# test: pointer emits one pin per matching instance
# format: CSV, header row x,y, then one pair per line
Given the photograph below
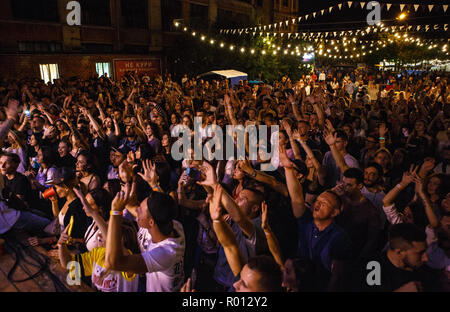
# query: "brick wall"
x,y
70,65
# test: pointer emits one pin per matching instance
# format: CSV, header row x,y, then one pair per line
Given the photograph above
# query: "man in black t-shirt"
x,y
401,267
15,182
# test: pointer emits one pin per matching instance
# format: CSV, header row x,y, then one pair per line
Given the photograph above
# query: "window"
x,y
102,68
95,13
225,18
49,72
97,48
199,16
38,10
37,47
134,13
170,10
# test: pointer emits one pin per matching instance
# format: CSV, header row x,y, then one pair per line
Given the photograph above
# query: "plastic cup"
x,y
49,193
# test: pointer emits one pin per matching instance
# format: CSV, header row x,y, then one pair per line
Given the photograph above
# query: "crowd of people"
x,y
88,171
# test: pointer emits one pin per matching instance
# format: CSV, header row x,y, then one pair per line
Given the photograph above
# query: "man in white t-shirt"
x,y
161,241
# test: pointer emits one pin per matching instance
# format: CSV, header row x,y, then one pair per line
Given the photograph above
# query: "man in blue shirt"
x,y
323,242
320,239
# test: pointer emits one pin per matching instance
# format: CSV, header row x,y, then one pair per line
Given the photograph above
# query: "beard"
x,y
369,184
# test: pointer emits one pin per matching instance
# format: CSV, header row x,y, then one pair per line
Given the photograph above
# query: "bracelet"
x,y
217,221
382,139
116,213
399,186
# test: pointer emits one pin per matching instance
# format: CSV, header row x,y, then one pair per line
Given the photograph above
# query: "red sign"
x,y
144,67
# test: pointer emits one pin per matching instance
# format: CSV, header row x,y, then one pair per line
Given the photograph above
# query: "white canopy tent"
x,y
234,75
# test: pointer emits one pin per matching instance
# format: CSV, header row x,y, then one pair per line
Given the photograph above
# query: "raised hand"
x,y
284,159
329,125
121,199
12,109
287,127
227,100
210,174
409,176
150,174
297,136
383,130
419,185
245,165
264,218
428,165
215,210
329,137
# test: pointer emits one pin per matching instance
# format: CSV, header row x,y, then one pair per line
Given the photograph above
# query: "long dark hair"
x,y
91,161
103,200
129,235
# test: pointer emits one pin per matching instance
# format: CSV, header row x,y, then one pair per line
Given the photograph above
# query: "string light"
x,y
318,47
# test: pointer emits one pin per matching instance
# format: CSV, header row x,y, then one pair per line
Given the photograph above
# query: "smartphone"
x,y
27,113
194,174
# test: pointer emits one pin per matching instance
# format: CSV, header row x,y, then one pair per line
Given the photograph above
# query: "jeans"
x,y
30,222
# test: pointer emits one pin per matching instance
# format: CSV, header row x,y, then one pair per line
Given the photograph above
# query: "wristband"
x,y
116,213
217,221
399,186
381,138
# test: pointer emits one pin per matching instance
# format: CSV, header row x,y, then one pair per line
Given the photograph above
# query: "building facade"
x,y
37,40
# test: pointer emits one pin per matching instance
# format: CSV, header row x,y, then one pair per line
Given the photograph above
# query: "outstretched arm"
x,y
294,186
272,240
115,259
263,178
330,138
228,202
11,118
225,234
